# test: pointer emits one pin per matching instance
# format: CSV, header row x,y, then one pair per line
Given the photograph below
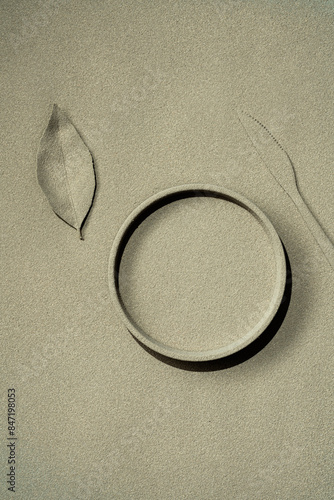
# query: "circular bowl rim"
x,y
148,207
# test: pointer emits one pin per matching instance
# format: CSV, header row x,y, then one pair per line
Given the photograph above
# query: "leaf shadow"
x,y
94,193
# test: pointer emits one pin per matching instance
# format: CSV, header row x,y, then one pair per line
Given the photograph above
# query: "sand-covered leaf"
x,y
65,170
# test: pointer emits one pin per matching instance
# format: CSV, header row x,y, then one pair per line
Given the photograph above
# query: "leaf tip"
x,y
55,109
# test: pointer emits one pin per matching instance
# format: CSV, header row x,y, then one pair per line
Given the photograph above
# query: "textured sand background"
x,y
153,88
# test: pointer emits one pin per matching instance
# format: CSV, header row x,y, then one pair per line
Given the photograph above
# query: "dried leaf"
x,y
65,170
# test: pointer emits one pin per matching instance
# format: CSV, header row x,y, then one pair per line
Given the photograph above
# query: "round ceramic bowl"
x,y
235,255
